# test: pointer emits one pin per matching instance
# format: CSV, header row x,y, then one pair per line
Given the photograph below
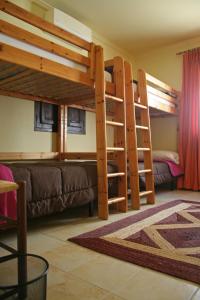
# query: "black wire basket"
x,y
23,277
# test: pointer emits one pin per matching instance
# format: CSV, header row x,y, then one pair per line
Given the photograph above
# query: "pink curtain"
x,y
189,139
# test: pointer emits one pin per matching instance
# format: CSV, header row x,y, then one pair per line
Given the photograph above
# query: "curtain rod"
x,y
182,52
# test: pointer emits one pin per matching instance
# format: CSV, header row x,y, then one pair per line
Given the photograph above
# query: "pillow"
x,y
162,155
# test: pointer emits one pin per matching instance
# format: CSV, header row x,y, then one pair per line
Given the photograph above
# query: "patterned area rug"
x,y
165,238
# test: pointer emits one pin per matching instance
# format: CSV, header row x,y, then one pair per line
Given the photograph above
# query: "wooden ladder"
x,y
132,138
119,149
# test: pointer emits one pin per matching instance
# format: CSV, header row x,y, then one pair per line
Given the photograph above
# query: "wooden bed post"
x,y
61,130
146,139
101,139
132,138
120,132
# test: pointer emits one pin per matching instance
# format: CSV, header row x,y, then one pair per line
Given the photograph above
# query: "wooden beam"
x,y
38,22
92,61
109,63
6,156
41,99
84,155
110,88
93,110
42,43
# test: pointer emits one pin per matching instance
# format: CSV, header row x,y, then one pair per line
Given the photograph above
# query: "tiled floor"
x,y
77,273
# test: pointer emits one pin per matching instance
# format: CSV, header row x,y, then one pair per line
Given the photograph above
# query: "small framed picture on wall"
x,y
76,121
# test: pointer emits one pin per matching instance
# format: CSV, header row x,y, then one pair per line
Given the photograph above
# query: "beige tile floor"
x,y
77,273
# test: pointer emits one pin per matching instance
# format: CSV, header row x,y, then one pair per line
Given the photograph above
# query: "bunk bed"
x,y
147,97
37,69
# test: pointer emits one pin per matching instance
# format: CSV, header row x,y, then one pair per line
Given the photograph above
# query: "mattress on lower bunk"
x,y
55,186
161,172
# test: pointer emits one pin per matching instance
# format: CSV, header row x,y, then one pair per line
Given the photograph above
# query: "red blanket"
x,y
8,201
175,169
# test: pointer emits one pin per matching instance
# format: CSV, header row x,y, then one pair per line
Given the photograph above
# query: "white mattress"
x,y
43,53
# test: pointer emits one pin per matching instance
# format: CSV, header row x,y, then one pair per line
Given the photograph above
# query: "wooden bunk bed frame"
x,y
154,97
26,75
29,76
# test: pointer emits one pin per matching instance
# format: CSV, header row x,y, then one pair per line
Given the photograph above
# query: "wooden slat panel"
x,y
79,155
6,156
9,80
33,39
38,22
8,68
27,97
160,94
21,80
159,83
164,107
23,58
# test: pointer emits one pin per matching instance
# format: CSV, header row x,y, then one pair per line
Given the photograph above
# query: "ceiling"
x,y
137,25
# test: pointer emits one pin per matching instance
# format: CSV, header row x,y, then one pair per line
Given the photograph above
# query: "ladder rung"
x,y
115,200
114,123
113,98
140,105
142,127
115,174
145,193
144,171
115,149
143,149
